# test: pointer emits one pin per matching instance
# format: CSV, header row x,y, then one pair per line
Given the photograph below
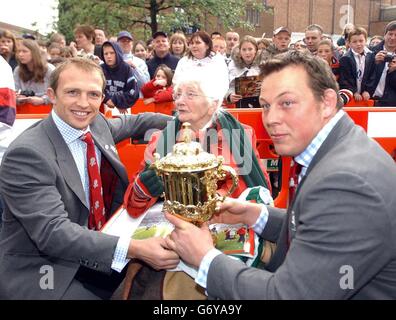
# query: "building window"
x,y
388,13
253,16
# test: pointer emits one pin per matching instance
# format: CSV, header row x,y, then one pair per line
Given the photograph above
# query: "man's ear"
x,y
330,103
51,95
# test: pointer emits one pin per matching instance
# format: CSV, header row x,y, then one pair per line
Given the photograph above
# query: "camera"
x,y
27,93
389,57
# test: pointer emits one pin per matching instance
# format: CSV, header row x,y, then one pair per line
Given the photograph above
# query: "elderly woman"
x,y
198,101
244,63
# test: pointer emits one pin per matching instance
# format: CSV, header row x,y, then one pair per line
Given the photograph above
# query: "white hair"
x,y
207,84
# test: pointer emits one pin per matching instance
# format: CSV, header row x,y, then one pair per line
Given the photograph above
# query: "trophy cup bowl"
x,y
190,177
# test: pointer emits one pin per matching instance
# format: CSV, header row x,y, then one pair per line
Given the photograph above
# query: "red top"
x,y
160,94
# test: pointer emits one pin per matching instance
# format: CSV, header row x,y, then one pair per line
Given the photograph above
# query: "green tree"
x,y
145,17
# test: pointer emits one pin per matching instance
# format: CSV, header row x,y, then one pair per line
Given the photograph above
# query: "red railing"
x,y
132,154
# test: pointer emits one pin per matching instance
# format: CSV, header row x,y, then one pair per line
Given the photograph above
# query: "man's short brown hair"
x,y
318,71
83,64
357,32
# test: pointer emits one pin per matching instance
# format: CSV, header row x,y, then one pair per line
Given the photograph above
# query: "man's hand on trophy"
x,y
190,242
148,184
233,211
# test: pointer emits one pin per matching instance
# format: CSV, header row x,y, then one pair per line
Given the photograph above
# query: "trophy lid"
x,y
187,156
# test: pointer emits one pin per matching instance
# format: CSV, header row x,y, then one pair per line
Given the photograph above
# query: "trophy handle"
x,y
234,176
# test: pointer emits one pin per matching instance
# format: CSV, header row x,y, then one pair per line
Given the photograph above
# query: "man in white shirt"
x,y
125,40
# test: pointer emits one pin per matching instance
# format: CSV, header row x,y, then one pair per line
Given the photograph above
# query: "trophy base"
x,y
195,214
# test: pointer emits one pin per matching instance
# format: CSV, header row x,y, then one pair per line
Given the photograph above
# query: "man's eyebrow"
x,y
277,97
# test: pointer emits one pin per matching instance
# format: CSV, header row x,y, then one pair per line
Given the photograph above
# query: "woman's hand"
x,y
234,98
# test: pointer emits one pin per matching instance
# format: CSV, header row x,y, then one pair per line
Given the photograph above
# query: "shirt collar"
x,y
68,133
365,51
305,157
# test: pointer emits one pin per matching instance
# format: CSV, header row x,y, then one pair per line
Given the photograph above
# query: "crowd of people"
x,y
366,68
62,178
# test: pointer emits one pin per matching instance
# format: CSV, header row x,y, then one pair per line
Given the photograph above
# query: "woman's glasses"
x,y
187,95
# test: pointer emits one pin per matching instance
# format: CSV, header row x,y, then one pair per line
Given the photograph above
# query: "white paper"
x,y
121,224
381,124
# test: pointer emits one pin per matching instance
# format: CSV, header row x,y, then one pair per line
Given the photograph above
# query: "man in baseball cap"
x,y
161,53
124,34
282,38
280,43
160,33
125,40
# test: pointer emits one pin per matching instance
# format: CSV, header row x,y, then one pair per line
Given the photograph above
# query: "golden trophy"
x,y
190,176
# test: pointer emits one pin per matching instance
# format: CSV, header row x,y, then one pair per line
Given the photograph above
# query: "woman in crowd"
x,y
59,39
8,48
32,74
374,41
244,63
84,45
140,50
159,89
263,43
178,45
342,41
197,101
202,60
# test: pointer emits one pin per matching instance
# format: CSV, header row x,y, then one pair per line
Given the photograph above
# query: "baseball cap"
x,y
282,29
160,33
28,36
124,34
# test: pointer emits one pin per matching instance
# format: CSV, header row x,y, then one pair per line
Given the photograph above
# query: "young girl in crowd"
x,y
140,50
159,89
8,48
245,62
326,52
32,74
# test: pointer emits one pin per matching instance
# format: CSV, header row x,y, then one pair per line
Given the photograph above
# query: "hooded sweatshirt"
x,y
121,84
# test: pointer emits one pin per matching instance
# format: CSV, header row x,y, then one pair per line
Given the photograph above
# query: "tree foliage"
x,y
144,17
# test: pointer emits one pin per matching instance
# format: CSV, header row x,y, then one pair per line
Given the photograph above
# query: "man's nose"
x,y
83,100
271,116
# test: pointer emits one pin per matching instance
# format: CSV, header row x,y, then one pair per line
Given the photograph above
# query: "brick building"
x,y
332,15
